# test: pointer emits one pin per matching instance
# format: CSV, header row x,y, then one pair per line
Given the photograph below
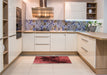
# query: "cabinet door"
x,y
19,45
12,48
71,42
1,55
1,10
92,52
75,10
12,17
28,42
58,42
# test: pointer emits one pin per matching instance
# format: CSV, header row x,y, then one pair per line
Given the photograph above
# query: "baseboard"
x,y
10,64
49,53
91,67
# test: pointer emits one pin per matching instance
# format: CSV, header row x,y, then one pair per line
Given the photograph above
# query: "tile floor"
x,y
24,66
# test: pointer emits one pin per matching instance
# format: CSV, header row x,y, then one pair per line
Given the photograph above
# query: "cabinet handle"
x,y
42,36
84,49
42,44
12,35
85,40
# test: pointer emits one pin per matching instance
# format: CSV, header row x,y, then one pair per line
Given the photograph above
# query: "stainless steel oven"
x,y
18,23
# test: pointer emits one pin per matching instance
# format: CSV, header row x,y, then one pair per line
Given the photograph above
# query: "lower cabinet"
x,y
87,48
19,45
28,42
49,42
1,55
58,41
42,42
71,42
12,48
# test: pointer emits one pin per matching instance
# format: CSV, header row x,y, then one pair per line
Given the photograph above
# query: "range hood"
x,y
43,11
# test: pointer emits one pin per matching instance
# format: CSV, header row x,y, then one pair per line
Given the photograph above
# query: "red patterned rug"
x,y
51,59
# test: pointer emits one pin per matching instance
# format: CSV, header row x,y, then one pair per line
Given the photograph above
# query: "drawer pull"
x,y
84,49
42,36
84,40
42,44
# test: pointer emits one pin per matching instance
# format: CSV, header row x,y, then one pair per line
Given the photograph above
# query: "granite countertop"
x,y
96,35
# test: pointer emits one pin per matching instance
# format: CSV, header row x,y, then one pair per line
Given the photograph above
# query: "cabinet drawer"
x,y
42,40
42,34
84,51
84,40
42,47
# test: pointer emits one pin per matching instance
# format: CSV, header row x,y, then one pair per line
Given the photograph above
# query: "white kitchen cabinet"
x,y
42,42
58,41
28,42
75,10
12,17
12,48
1,16
1,61
92,52
42,47
19,45
1,29
87,48
71,42
1,55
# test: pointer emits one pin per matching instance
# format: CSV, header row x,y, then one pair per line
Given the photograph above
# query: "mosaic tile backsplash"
x,y
48,25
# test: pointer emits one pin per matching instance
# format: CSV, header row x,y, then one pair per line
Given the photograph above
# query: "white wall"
x,y
58,8
105,16
57,4
29,5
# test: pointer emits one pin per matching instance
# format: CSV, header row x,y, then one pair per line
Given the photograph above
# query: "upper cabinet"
x,y
12,17
75,10
1,10
91,10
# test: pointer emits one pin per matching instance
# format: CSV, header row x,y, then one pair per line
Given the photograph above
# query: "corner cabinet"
x,y
87,49
58,41
75,10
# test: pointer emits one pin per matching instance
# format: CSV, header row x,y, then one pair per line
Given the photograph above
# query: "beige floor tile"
x,y
24,66
41,73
